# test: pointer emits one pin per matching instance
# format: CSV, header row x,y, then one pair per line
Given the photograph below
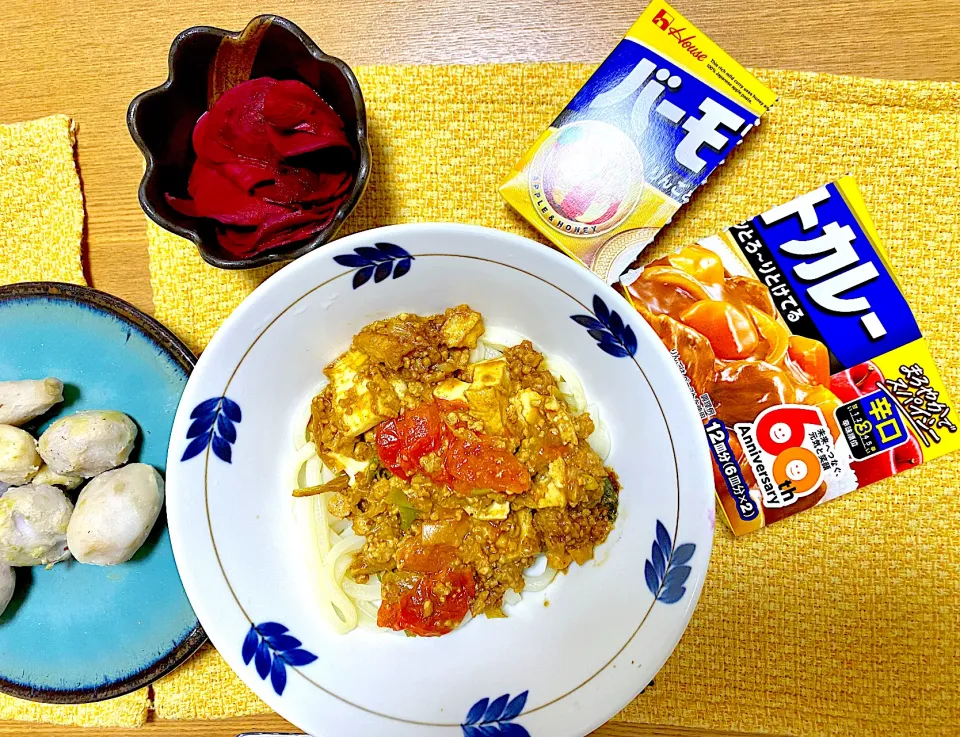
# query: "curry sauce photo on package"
x,y
806,364
657,117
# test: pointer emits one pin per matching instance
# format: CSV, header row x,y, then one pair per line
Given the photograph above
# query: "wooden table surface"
x,y
89,58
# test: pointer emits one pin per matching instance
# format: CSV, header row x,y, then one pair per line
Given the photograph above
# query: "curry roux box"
x,y
658,116
801,353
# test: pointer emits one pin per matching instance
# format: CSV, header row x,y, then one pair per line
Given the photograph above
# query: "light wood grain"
x,y
89,58
274,723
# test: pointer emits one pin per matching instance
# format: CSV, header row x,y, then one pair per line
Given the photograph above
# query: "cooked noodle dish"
x,y
441,470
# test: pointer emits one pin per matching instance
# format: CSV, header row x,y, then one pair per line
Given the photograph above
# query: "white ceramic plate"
x,y
545,671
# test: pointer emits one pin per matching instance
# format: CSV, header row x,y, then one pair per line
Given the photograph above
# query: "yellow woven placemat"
x,y
41,228
842,620
41,205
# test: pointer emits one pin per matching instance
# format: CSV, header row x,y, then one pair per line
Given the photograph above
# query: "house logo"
x,y
663,19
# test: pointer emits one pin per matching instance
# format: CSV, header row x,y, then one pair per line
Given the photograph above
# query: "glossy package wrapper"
x,y
805,362
656,118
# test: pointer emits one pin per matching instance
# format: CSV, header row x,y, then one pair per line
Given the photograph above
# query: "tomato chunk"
x,y
404,440
467,463
429,604
476,464
418,558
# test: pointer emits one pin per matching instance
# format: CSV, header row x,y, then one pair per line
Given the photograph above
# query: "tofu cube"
x,y
384,347
356,407
462,328
560,417
451,389
493,511
491,373
348,465
529,543
487,404
487,394
551,492
557,470
399,386
344,370
527,403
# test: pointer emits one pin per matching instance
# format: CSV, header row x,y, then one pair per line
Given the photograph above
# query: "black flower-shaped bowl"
x,y
204,62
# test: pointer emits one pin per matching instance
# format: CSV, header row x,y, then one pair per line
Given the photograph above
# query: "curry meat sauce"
x,y
457,474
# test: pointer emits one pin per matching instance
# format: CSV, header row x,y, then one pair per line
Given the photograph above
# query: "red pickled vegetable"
x,y
274,165
299,120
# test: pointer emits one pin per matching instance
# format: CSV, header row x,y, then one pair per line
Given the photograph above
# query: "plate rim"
x,y
167,341
384,232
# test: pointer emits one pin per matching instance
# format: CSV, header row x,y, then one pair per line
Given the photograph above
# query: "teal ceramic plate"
x,y
77,633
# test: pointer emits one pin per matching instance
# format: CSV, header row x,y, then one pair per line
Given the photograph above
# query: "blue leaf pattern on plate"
x,y
659,561
196,446
250,645
666,571
205,408
283,642
512,729
495,718
263,659
198,427
297,657
393,251
362,277
382,272
402,267
683,553
278,676
214,424
378,262
352,261
222,449
226,429
606,327
272,650
231,409
272,629
371,254
476,712
495,709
